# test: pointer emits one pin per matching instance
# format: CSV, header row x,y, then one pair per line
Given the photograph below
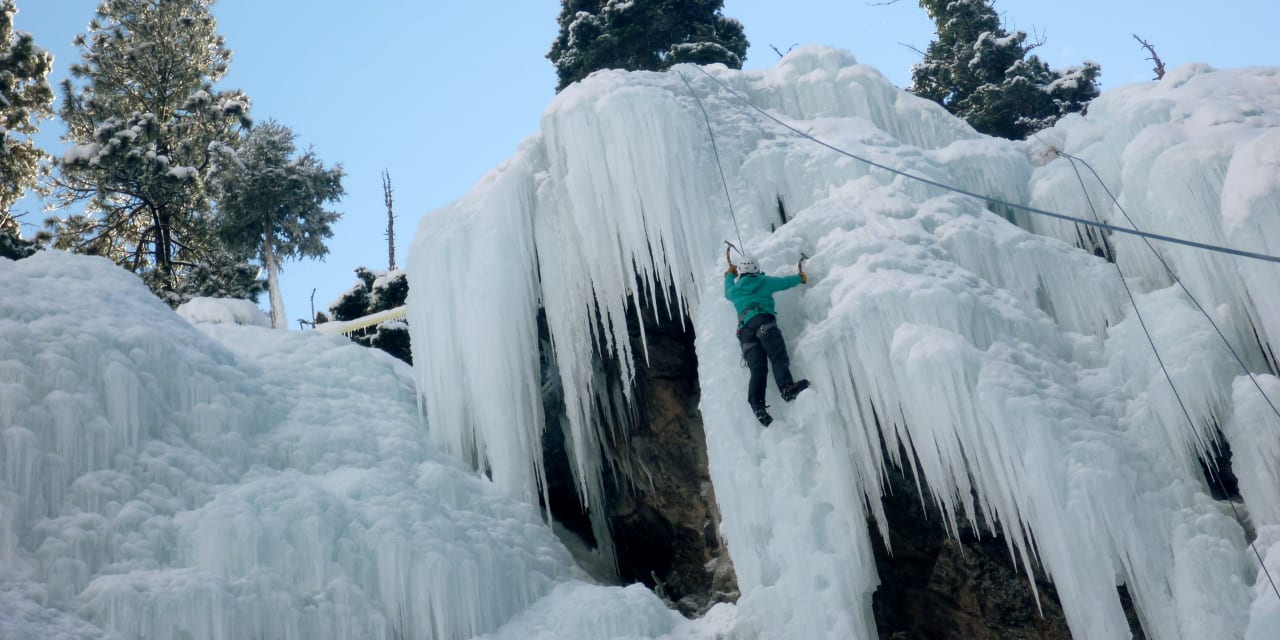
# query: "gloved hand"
x,y
804,278
733,268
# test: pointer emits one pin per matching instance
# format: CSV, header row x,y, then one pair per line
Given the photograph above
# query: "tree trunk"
x,y
163,253
278,318
391,221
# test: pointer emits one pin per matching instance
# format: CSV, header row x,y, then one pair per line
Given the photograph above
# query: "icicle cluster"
x,y
232,482
1002,364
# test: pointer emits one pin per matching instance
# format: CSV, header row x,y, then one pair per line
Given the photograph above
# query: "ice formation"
x,y
222,481
223,311
196,475
993,353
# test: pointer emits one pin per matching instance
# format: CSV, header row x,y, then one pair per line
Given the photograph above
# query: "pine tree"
x,y
25,99
12,246
373,292
273,200
643,34
984,75
144,120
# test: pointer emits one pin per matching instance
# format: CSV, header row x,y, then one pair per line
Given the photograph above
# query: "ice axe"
x,y
728,246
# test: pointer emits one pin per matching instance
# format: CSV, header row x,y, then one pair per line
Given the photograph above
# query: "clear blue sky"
x,y
438,93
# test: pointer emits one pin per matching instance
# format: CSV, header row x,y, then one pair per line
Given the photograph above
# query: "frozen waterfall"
x,y
222,481
1001,363
196,475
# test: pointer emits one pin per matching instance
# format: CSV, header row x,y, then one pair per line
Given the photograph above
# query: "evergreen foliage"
x,y
143,121
985,75
643,34
12,246
375,291
271,202
25,99
220,275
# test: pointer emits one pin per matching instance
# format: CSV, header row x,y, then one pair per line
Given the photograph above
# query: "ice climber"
x,y
751,292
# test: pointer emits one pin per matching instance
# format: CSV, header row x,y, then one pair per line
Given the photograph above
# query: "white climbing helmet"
x,y
748,266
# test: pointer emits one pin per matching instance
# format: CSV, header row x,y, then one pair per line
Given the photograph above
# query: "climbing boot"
x,y
792,390
763,416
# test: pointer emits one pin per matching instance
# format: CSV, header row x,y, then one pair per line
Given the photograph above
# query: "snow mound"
x,y
161,480
223,311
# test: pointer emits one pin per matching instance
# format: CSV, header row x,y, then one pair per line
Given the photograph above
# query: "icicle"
x,y
233,482
1004,370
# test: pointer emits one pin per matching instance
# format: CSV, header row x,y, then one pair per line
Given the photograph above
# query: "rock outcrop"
x,y
936,587
659,502
662,514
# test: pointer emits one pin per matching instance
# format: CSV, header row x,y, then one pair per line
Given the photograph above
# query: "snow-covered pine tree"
x,y
143,118
643,34
12,245
25,99
270,200
374,291
221,274
982,73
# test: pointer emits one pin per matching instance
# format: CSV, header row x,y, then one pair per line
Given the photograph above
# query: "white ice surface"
x,y
223,311
1004,365
163,480
159,480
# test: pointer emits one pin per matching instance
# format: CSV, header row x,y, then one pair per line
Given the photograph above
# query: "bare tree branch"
x,y
922,54
1038,39
1159,68
782,53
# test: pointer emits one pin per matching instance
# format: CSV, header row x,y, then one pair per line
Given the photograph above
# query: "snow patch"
x,y
223,311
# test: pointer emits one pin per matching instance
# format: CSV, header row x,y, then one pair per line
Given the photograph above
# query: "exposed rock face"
x,y
659,502
662,509
939,588
662,513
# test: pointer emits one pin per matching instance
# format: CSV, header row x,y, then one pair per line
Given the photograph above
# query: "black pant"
x,y
762,343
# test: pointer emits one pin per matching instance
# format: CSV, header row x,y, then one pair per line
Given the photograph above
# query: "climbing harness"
x,y
742,317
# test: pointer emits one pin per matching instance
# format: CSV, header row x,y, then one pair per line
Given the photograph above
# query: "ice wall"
x,y
1002,364
161,480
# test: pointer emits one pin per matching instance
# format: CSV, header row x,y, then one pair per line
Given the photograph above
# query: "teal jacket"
x,y
753,295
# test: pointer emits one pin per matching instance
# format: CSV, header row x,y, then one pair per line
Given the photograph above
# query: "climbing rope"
x,y
989,199
719,166
1169,271
1097,223
1151,341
